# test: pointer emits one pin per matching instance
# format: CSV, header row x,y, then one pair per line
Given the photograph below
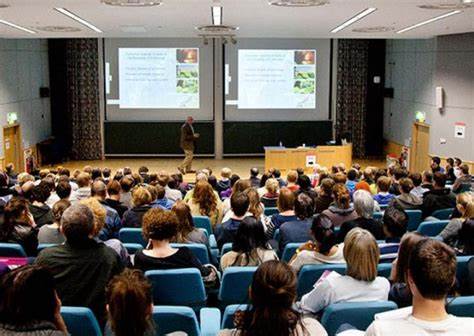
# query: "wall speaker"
x,y
439,97
44,92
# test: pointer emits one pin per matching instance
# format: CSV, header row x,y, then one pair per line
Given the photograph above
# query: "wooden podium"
x,y
286,159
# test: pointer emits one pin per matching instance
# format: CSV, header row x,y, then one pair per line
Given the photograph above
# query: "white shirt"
x,y
52,199
311,257
335,288
173,195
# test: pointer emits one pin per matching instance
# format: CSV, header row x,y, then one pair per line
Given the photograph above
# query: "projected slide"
x,y
158,78
277,79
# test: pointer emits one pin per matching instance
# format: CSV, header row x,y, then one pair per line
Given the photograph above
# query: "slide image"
x,y
187,86
304,72
305,57
187,56
304,87
187,71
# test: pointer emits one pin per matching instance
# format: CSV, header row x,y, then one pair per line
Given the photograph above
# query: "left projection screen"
x,y
159,78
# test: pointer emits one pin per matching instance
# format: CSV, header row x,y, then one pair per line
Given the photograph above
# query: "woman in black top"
x,y
159,227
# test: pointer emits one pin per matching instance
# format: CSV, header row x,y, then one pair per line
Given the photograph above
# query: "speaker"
x,y
439,97
44,92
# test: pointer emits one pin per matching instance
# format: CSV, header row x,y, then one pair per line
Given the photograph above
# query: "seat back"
x,y
383,206
384,270
199,250
271,211
289,251
12,250
358,314
235,284
378,215
461,306
432,228
177,287
132,248
41,247
443,213
203,222
462,267
229,312
80,321
169,319
414,219
226,248
132,236
309,274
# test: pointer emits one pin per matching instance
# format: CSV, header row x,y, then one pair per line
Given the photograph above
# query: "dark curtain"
x,y
351,100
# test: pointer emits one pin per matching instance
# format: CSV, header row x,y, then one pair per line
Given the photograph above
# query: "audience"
x,y
205,202
383,196
291,178
286,211
270,197
84,191
224,183
351,180
395,224
406,199
113,199
439,197
186,231
341,210
254,180
465,206
113,223
463,182
39,210
298,231
126,185
436,165
417,191
51,233
324,198
305,187
141,199
225,232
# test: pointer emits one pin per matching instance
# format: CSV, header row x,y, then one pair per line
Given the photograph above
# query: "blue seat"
x,y
309,274
235,284
199,250
132,236
461,306
132,248
210,321
358,314
12,250
432,228
443,214
461,268
383,206
80,321
384,270
289,251
178,287
203,222
414,219
228,317
41,247
378,215
170,319
276,235
271,211
226,248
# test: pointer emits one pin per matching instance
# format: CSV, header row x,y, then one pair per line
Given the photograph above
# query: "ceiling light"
x,y
436,18
133,3
354,19
297,3
12,25
465,4
216,15
59,29
217,30
376,29
73,16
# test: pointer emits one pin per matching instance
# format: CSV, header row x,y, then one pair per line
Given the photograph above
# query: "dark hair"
x,y
464,169
64,171
40,193
428,176
113,188
143,169
323,232
327,185
408,242
416,179
466,236
352,175
439,179
304,182
276,173
395,221
63,189
457,161
450,161
212,180
233,179
172,183
58,209
106,172
96,173
239,202
250,236
3,180
98,188
406,185
432,267
127,171
264,179
185,221
159,224
254,172
286,200
399,173
12,213
436,160
126,183
28,294
304,206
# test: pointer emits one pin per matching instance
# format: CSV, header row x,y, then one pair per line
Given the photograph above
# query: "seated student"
x,y
360,283
19,226
323,250
463,182
29,303
291,178
341,210
466,237
159,193
417,190
106,172
305,187
141,199
238,185
63,189
129,305
113,199
5,185
427,180
250,246
84,191
271,312
265,176
226,231
438,198
451,177
383,197
113,223
269,199
286,212
430,276
298,231
159,227
351,180
465,206
224,183
172,191
51,233
436,165
205,202
277,175
399,292
82,266
186,232
398,174
254,180
225,195
40,211
126,185
406,199
364,206
395,223
324,198
369,177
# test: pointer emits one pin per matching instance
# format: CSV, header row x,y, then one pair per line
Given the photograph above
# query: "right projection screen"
x,y
284,80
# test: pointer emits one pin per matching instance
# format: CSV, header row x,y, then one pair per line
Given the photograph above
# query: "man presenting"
x,y
187,141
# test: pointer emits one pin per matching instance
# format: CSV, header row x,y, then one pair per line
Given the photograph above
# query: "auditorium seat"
x,y
228,316
203,222
432,228
289,251
132,235
383,206
169,319
235,284
443,214
132,248
210,321
378,215
461,269
384,270
309,274
41,247
199,250
271,211
414,219
12,250
358,314
178,287
461,306
80,321
226,248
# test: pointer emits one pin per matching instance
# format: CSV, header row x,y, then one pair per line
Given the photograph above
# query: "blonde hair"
x,y
272,185
140,196
464,200
362,255
99,213
292,176
226,172
255,207
469,213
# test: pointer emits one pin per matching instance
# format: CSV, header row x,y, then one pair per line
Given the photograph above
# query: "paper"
x,y
460,130
310,160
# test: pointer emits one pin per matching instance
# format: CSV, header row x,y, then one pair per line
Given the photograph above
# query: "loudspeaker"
x,y
44,92
439,97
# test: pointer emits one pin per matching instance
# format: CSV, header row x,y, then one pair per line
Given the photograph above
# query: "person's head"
x,y
130,303
185,221
28,294
143,170
190,120
327,185
464,169
340,178
250,236
113,188
395,222
276,173
431,270
4,180
25,177
126,183
466,234
286,200
462,201
127,171
304,182
407,243
43,173
362,255
304,206
100,214
77,224
106,172
399,173
83,180
439,180
272,294
254,172
379,172
364,204
323,233
292,176
226,173
384,183
63,189
341,196
58,209
239,185
272,186
153,191
49,182
140,196
99,189
239,202
264,178
212,180
406,185
205,197
435,161
369,174
450,162
160,192
40,193
352,175
96,173
255,206
362,185
416,179
15,211
137,179
457,162
160,225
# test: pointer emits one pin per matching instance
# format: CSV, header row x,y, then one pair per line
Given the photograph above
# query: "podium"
x,y
286,159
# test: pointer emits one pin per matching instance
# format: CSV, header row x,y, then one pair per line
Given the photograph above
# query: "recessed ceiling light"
x,y
298,3
377,29
436,18
13,25
133,3
4,5
354,19
133,29
59,29
216,15
73,16
449,6
211,29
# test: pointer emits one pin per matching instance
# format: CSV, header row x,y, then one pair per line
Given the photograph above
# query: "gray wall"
x,y
414,68
23,70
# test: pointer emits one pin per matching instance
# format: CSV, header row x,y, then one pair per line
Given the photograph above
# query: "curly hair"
x,y
99,213
204,196
159,224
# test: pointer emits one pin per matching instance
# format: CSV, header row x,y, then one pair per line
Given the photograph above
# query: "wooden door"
x,y
12,146
419,153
